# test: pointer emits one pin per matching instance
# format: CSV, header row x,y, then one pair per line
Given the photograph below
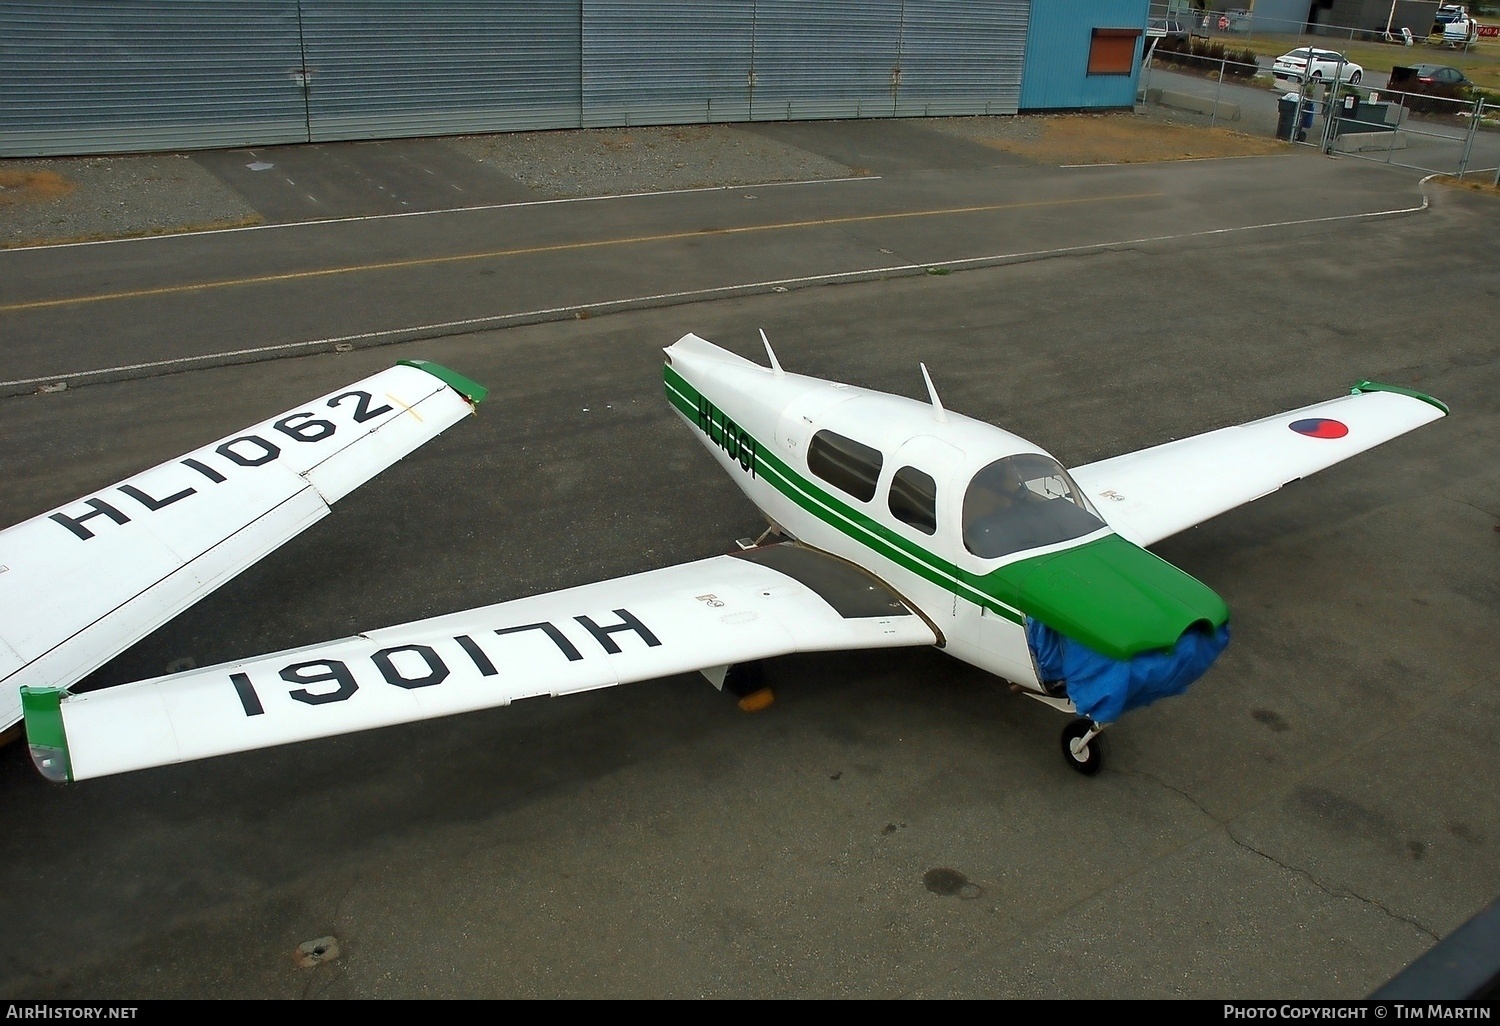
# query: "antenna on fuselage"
x,y
938,413
775,363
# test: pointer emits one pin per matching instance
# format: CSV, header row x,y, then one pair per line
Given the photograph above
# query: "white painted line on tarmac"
x,y
1173,160
534,316
447,210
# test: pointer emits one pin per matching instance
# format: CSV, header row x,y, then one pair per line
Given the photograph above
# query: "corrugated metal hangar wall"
x,y
109,76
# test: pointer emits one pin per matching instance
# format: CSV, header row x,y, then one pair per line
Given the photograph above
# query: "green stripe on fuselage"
x,y
837,513
1113,596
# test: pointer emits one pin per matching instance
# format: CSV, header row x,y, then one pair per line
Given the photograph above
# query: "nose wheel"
x,y
1083,746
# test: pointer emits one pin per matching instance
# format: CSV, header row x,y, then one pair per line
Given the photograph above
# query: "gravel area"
x,y
989,128
85,198
113,197
611,161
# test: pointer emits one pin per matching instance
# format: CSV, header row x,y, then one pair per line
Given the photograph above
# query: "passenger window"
x,y
1023,502
914,499
844,463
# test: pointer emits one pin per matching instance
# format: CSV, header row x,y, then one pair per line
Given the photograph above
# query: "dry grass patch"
x,y
1125,139
32,186
1485,185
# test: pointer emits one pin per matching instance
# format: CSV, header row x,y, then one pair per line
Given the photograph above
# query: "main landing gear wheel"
x,y
1083,746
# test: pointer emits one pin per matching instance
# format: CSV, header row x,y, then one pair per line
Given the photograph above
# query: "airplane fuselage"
x,y
886,482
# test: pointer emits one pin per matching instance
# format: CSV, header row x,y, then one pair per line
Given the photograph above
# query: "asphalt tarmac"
x,y
1313,815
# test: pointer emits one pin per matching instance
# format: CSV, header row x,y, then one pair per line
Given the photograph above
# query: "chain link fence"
x,y
1439,134
1347,109
1217,72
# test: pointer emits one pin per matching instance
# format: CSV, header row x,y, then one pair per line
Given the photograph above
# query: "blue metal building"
x,y
1063,44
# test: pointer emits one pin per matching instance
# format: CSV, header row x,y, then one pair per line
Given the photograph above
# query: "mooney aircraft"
x,y
81,584
893,522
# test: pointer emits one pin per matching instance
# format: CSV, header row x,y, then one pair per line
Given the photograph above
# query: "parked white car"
x,y
1309,64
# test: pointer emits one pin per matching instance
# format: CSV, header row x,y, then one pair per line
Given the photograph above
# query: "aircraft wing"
x,y
84,582
766,601
1152,494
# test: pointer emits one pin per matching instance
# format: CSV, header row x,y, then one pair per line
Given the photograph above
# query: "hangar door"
x,y
110,76
961,57
675,61
439,67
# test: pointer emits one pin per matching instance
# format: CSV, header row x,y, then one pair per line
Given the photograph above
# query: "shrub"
x,y
1206,55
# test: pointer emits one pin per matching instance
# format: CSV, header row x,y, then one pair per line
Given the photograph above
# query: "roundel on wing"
x,y
1320,427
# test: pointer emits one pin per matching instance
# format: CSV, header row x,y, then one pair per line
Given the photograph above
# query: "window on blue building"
x,y
1112,51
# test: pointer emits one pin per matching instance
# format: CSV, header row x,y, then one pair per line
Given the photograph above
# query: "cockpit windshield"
x,y
1022,502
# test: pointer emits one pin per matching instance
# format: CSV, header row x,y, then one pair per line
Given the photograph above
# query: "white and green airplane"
x,y
893,522
81,584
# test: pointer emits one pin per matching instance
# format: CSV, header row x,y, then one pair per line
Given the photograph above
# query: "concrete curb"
x,y
1364,142
1189,102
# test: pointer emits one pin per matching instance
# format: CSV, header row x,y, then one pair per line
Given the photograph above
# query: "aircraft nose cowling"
x,y
1115,597
1117,626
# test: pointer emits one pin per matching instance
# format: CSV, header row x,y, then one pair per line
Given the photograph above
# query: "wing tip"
x,y
471,390
45,734
1411,393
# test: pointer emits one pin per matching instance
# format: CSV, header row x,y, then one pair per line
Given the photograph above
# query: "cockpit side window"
x,y
1023,502
844,463
914,499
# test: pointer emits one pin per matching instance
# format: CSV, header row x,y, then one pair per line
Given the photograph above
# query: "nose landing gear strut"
x,y
1083,745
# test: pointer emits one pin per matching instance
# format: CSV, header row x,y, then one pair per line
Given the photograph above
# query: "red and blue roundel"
x,y
1320,427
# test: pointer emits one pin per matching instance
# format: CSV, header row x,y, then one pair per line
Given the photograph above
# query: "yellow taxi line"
x,y
391,265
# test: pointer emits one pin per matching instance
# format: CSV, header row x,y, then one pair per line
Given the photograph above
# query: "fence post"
x,y
1463,162
1218,89
1497,169
1400,120
1333,108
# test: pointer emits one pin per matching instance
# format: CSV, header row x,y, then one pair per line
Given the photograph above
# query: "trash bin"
x,y
1286,116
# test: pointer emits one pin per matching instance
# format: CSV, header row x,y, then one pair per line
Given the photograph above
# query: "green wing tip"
x,y
1376,386
42,709
469,389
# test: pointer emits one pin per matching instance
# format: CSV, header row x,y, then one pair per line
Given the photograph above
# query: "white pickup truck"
x,y
1460,31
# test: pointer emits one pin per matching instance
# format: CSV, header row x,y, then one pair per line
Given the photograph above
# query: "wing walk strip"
x,y
845,519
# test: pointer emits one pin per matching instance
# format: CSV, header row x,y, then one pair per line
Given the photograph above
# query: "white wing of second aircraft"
x,y
1154,493
84,582
767,601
